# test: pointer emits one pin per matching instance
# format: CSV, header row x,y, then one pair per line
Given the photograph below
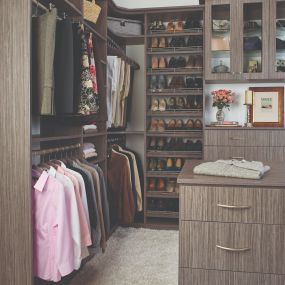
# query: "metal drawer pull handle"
x,y
233,249
233,207
237,157
237,139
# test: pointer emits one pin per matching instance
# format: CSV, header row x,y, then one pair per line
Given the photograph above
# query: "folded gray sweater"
x,y
233,168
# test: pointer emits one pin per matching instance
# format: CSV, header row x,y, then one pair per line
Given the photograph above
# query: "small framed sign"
x,y
268,107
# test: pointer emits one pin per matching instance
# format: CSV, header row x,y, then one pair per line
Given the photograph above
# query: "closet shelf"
x,y
162,194
98,134
198,32
74,118
91,27
175,71
164,224
163,214
39,138
63,6
180,134
183,50
162,174
176,113
125,132
180,154
173,92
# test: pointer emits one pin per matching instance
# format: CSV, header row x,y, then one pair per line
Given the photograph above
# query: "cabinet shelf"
x,y
163,214
184,33
98,134
180,154
39,138
175,50
162,174
175,71
176,113
162,194
180,134
178,93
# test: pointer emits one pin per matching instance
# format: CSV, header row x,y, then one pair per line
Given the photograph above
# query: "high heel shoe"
x,y
154,105
162,62
198,125
153,125
161,184
190,125
179,27
170,27
162,105
179,125
171,125
162,43
154,62
152,144
154,42
161,126
152,184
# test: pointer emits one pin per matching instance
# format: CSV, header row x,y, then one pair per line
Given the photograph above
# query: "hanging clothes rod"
x,y
115,49
41,6
56,150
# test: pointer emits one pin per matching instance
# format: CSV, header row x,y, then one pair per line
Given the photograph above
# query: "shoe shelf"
x,y
177,134
183,33
176,113
162,194
189,93
173,91
175,71
162,174
162,214
175,50
164,224
175,154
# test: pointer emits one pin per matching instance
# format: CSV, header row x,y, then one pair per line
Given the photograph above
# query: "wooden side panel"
x,y
266,206
15,176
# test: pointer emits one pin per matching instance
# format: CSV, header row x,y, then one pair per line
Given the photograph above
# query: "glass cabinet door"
x,y
219,40
253,29
277,39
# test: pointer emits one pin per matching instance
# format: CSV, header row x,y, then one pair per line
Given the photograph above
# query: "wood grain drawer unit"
x,y
232,204
213,277
246,152
234,247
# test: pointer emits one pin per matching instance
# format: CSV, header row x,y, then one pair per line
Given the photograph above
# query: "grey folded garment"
x,y
233,168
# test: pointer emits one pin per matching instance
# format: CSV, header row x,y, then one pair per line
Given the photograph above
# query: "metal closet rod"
x,y
56,149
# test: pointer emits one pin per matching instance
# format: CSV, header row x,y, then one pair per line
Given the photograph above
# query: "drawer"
x,y
232,204
214,277
223,152
277,138
232,246
238,137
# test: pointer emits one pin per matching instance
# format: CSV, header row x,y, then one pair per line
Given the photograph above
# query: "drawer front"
x,y
233,247
232,204
238,137
277,138
189,276
223,152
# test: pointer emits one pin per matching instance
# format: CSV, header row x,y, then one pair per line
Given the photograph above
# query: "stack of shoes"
x,y
169,164
195,62
174,144
158,105
158,83
157,184
194,82
176,27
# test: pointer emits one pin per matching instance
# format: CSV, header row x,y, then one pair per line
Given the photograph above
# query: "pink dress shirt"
x,y
84,229
53,245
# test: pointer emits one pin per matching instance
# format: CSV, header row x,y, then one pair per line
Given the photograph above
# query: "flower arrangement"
x,y
223,98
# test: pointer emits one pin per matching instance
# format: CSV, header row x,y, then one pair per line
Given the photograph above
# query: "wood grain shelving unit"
x,y
162,194
176,113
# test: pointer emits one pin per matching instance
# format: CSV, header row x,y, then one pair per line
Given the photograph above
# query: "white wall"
x,y
132,4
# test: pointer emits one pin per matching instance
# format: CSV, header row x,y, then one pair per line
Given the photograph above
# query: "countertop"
x,y
274,178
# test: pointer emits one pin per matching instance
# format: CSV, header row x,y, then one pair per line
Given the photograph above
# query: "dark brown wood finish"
x,y
15,178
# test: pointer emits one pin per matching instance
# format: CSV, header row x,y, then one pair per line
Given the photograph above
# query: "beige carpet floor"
x,y
134,257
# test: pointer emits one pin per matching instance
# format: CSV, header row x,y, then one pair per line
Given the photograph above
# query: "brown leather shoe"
x,y
162,43
161,126
190,125
179,125
154,42
153,125
198,124
162,62
171,125
154,62
161,184
152,184
179,26
170,27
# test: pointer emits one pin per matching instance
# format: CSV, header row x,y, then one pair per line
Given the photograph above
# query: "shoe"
x,y
152,184
180,42
170,27
154,105
154,62
191,62
152,26
161,184
160,26
170,186
160,144
179,125
172,62
152,164
160,206
195,41
153,83
160,165
188,23
198,146
181,62
171,125
189,125
177,82
181,104
152,144
154,42
179,27
198,125
199,61
178,164
162,43
161,83
170,145
172,103
162,105
198,83
173,42
169,164
180,145
151,204
190,82
190,145
153,125
161,126
162,62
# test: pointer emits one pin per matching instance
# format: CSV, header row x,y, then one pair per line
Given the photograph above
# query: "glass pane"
x,y
221,38
252,38
280,36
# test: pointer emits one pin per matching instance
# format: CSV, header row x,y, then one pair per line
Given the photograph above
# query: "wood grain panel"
x,y
212,277
223,152
15,176
267,206
266,244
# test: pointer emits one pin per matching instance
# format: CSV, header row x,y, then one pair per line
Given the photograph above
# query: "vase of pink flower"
x,y
222,99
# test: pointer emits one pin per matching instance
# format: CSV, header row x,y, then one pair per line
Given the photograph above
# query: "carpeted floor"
x,y
134,257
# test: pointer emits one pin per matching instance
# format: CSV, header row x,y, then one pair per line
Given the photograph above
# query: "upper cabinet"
x,y
245,40
277,39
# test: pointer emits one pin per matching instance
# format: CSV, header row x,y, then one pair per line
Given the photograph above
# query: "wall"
x,y
131,4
